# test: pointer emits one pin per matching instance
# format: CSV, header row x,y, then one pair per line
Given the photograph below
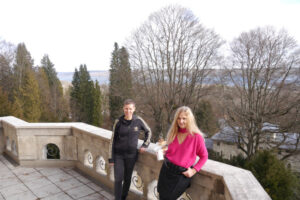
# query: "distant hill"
x,y
101,76
213,78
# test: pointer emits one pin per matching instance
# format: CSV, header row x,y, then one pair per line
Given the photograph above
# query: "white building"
x,y
225,144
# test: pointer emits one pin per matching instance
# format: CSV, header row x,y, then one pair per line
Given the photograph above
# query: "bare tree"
x,y
264,93
172,55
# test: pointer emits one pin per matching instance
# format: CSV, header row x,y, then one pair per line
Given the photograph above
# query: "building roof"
x,y
227,134
209,143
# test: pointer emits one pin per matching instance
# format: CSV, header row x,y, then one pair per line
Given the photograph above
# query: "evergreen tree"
x,y
82,99
5,74
115,101
50,71
26,94
5,105
272,174
85,98
205,117
125,75
120,81
75,96
17,108
86,88
97,108
57,101
7,54
22,64
46,96
31,96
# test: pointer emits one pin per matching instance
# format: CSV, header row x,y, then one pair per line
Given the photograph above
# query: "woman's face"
x,y
128,111
182,120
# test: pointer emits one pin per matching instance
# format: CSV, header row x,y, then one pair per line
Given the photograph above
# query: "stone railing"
x,y
86,148
2,145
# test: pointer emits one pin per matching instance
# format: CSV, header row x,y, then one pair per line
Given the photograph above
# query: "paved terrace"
x,y
23,183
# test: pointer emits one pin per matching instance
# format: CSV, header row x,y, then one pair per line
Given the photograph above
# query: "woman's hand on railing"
x,y
165,150
142,150
189,172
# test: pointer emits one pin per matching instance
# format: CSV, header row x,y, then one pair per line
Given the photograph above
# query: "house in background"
x,y
226,140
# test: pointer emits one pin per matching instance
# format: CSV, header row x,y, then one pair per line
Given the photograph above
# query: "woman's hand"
x,y
142,150
165,150
189,172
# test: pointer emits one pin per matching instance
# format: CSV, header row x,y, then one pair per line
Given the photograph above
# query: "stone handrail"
x,y
86,147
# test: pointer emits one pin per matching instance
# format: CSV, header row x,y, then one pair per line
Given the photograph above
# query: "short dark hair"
x,y
129,101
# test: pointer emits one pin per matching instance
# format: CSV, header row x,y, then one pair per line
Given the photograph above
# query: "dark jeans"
x,y
123,169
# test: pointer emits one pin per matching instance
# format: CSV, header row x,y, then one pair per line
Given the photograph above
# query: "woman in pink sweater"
x,y
185,142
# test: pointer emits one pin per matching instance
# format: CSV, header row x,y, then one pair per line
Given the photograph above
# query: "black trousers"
x,y
123,169
171,184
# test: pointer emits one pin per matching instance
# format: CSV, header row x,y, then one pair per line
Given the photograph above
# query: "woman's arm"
x,y
201,152
111,158
147,132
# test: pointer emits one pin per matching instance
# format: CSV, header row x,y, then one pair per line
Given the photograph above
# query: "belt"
x,y
174,168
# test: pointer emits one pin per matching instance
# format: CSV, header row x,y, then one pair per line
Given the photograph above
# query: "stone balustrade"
x,y
86,147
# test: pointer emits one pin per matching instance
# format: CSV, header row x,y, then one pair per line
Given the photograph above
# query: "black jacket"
x,y
125,136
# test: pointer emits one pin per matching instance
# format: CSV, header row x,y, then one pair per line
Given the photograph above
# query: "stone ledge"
x,y
217,180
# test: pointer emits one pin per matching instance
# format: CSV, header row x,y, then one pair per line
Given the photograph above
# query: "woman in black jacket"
x,y
123,147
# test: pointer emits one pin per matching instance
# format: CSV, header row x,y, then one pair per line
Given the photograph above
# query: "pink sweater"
x,y
184,154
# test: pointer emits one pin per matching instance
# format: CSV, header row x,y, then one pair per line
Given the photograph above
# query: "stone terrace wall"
x,y
1,139
86,148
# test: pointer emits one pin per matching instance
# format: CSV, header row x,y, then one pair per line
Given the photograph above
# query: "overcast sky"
x,y
74,32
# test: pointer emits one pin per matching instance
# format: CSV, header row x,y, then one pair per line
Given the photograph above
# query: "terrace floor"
x,y
23,183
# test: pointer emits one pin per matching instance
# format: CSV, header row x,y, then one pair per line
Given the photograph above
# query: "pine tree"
x,y
57,101
26,91
75,96
82,96
120,81
31,95
5,105
272,174
17,108
23,63
125,74
86,97
48,66
46,96
115,102
5,74
97,108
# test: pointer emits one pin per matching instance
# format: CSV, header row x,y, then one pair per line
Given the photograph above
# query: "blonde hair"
x,y
191,125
